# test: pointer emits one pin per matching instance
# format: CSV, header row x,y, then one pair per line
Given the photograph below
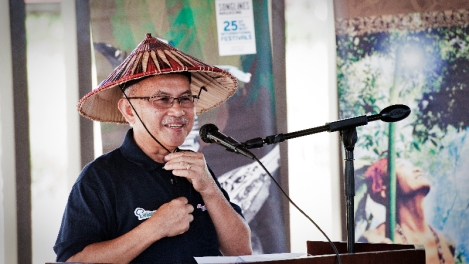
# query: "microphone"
x,y
211,134
392,113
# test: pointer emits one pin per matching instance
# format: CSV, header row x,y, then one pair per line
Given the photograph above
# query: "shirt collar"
x,y
132,152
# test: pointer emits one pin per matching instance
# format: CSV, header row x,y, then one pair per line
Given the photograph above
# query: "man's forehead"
x,y
172,92
164,85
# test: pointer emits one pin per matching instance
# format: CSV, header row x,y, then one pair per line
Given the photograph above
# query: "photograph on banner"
x,y
411,178
191,27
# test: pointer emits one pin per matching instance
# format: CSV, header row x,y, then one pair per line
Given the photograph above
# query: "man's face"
x,y
411,179
170,126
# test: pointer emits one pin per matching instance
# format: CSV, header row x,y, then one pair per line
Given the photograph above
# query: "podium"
x,y
322,253
365,253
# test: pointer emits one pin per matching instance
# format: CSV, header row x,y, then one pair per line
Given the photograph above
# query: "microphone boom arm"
x,y
330,127
389,114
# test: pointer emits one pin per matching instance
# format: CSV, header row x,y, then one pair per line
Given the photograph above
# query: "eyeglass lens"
x,y
168,101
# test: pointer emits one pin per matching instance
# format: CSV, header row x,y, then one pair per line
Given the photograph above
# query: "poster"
x,y
419,60
235,26
190,26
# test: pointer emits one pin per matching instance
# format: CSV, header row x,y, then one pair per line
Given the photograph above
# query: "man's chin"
x,y
173,145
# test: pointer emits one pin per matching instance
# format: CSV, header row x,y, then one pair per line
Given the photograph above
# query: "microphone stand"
x,y
348,132
349,138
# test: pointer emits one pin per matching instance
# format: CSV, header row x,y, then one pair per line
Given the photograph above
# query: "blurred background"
x,y
42,134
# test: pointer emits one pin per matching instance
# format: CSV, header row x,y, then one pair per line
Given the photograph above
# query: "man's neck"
x,y
153,149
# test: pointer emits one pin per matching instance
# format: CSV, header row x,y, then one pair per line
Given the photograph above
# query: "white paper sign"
x,y
235,25
250,258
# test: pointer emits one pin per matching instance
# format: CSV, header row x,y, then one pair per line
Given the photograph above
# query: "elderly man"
x,y
149,201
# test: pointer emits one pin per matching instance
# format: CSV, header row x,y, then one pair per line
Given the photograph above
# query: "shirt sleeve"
x,y
86,218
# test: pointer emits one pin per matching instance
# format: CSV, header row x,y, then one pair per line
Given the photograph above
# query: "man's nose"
x,y
176,108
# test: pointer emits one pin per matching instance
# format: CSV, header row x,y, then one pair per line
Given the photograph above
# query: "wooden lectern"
x,y
322,253
365,253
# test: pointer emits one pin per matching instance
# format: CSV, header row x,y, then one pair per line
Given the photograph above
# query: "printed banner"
x,y
118,26
411,176
235,25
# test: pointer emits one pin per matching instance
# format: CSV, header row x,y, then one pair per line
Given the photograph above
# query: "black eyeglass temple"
x,y
200,91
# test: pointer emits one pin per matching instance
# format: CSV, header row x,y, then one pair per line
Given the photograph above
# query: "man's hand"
x,y
234,235
172,218
192,166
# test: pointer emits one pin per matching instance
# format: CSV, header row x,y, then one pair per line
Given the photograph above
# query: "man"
x,y
411,228
149,201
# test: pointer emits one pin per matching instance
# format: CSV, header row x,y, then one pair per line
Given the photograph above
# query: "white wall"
x,y
54,127
311,102
8,237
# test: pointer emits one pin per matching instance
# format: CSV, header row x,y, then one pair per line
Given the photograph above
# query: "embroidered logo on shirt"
x,y
143,214
202,207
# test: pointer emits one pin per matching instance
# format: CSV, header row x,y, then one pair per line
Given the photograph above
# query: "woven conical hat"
x,y
154,57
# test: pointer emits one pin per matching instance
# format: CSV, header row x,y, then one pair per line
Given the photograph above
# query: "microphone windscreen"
x,y
395,113
205,130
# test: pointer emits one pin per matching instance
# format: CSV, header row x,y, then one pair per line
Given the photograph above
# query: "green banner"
x,y
190,26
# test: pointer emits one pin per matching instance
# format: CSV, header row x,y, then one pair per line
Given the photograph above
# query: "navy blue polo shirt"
x,y
121,189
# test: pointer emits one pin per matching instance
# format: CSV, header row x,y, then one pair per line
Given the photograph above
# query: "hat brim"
x,y
153,57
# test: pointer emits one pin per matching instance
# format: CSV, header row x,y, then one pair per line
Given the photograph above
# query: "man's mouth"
x,y
175,125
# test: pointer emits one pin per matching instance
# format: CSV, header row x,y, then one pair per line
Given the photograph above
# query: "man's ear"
x,y
126,110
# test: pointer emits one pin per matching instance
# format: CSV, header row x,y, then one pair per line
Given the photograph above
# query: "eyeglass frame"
x,y
147,98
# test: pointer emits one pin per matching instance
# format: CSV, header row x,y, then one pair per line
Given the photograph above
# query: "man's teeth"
x,y
174,126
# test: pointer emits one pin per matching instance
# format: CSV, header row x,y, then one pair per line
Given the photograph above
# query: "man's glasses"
x,y
165,102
